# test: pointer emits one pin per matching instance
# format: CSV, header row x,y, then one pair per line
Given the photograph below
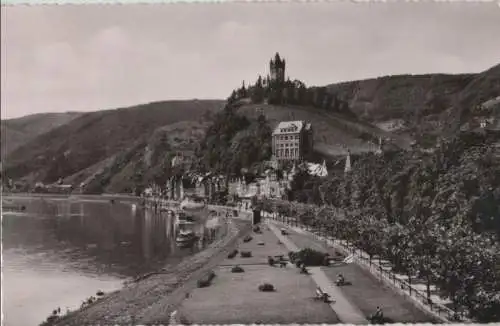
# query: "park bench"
x,y
321,295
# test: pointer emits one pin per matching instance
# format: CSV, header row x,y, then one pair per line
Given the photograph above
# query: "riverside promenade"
x,y
234,298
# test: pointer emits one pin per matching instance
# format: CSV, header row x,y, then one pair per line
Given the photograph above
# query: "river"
x,y
56,253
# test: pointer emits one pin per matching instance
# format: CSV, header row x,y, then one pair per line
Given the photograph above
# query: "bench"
x,y
321,295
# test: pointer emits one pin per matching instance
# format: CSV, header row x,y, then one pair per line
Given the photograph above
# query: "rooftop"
x,y
289,127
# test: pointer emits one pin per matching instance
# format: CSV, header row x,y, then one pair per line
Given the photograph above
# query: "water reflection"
x,y
57,252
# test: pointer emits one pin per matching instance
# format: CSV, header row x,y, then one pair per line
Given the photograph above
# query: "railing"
x,y
442,312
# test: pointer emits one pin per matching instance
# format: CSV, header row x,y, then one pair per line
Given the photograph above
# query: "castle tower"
x,y
277,69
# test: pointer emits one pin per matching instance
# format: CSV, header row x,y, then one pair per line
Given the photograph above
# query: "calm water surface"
x,y
57,253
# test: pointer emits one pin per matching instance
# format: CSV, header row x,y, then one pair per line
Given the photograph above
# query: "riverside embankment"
x,y
154,296
106,223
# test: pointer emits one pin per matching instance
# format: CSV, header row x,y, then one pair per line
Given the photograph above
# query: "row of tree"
x,y
434,215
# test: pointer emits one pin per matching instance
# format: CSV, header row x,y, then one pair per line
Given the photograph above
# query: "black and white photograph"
x,y
250,163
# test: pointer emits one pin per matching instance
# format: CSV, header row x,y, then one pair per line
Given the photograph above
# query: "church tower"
x,y
277,68
348,167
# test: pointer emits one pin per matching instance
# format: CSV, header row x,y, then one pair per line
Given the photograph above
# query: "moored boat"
x,y
185,238
193,209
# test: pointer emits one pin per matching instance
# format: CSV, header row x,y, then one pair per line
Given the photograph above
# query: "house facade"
x,y
292,141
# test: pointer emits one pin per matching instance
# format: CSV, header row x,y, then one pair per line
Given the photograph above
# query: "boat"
x,y
10,206
193,209
185,238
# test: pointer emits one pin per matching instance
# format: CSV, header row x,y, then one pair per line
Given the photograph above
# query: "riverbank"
x,y
157,292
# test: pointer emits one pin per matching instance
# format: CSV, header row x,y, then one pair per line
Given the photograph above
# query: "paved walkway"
x,y
347,312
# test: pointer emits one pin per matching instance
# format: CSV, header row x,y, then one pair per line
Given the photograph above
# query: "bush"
x,y
232,254
206,280
237,269
248,238
266,287
309,257
246,254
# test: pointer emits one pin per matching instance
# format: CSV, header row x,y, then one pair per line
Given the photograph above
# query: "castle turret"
x,y
277,68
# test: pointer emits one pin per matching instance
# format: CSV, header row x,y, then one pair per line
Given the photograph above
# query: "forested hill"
x,y
96,141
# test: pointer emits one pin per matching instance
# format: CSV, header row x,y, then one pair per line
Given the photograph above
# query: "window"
x,y
286,137
297,137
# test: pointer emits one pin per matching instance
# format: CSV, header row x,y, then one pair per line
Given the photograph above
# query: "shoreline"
x,y
154,291
148,296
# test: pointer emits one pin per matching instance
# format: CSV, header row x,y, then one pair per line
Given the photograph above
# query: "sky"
x,y
58,58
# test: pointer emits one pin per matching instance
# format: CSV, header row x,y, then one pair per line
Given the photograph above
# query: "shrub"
x,y
266,287
232,254
206,280
248,238
246,254
237,269
310,257
100,293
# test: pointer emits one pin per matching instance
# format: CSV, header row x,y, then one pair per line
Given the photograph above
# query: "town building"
x,y
292,141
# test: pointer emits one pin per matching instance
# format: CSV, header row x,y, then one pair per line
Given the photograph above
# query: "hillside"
x,y
88,141
333,132
113,150
432,103
19,131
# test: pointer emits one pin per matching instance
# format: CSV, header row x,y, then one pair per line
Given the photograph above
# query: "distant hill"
x,y
82,147
433,103
19,131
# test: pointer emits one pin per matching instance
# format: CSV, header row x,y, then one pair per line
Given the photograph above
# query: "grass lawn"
x,y
234,298
259,252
